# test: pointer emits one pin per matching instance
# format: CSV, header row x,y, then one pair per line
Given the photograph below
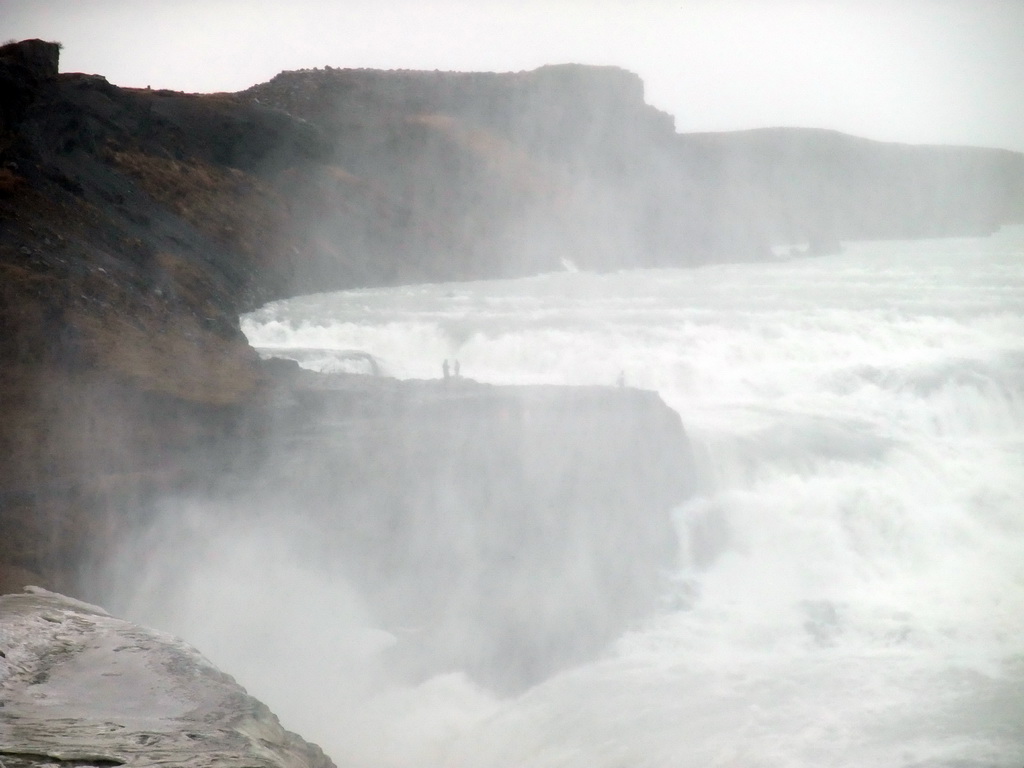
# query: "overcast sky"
x,y
925,71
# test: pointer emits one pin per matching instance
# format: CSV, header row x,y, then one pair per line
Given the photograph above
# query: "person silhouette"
x,y
444,368
456,369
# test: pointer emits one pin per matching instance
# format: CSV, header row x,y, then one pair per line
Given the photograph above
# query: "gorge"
x,y
138,225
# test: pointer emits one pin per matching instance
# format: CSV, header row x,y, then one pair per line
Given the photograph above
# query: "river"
x,y
851,589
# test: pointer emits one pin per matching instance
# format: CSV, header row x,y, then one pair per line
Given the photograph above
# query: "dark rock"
x,y
37,59
26,68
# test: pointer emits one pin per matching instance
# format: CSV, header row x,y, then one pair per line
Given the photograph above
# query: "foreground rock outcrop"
x,y
80,687
130,240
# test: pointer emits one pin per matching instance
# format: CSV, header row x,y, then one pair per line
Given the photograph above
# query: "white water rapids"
x,y
852,586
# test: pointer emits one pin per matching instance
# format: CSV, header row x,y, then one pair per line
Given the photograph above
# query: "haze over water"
x,y
851,590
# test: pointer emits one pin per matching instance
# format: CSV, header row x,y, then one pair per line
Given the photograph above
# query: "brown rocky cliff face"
x,y
823,187
510,173
135,225
505,174
127,250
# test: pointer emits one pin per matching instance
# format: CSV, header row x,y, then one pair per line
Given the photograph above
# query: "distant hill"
x,y
505,174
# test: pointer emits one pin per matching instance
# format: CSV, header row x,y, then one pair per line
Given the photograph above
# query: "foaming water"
x,y
852,585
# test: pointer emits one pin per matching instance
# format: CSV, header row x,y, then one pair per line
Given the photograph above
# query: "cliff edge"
x,y
138,224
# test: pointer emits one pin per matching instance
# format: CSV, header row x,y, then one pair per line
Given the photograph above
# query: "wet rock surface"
x,y
79,687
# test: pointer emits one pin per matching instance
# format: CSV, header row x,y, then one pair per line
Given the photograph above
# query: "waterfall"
x,y
850,588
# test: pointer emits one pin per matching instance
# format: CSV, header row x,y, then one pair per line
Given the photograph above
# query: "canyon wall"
x,y
138,224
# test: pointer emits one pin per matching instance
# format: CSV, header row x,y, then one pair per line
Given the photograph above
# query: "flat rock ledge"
x,y
80,687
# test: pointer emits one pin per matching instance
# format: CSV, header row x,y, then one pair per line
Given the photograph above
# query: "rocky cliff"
x,y
823,187
507,532
135,226
517,529
133,232
510,173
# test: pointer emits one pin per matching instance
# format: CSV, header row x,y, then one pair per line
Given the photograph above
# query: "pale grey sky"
x,y
926,71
